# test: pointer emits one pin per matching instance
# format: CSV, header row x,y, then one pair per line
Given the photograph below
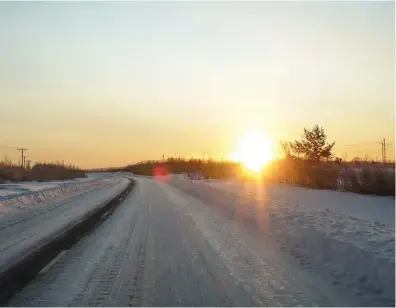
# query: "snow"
x,y
16,188
6,192
193,244
21,230
344,238
162,248
27,195
371,208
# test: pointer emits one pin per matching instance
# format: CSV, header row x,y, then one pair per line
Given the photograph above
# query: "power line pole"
x,y
383,149
22,150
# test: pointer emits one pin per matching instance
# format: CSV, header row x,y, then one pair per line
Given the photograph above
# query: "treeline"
x,y
207,168
308,162
300,172
373,179
39,172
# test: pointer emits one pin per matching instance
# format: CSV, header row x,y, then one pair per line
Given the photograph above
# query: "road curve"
x,y
162,247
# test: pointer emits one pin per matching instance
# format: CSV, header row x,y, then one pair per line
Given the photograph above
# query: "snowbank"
x,y
353,249
19,197
362,207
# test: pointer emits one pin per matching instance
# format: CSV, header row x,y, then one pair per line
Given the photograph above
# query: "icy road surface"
x,y
26,229
162,247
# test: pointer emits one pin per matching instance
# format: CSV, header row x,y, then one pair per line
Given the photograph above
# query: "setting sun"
x,y
254,151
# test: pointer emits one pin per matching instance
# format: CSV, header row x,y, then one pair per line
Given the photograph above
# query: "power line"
x,y
22,150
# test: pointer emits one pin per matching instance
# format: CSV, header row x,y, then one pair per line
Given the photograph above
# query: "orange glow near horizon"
x,y
255,150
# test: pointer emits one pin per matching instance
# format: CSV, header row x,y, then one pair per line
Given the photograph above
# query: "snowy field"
x,y
366,207
345,238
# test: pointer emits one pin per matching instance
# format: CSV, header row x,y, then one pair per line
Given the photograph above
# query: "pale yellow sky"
x,y
107,84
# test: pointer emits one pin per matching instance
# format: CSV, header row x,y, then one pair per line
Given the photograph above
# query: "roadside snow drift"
x,y
32,220
354,252
24,196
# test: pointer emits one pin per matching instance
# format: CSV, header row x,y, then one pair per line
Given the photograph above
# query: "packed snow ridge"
x,y
17,197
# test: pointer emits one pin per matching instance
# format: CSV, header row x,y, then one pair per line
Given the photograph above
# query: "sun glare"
x,y
254,151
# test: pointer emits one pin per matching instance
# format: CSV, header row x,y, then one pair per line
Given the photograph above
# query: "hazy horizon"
x,y
108,84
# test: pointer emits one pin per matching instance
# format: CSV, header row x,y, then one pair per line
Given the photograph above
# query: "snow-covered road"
x,y
163,247
23,230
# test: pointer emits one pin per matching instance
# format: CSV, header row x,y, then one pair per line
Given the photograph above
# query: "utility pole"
x,y
22,150
24,161
383,149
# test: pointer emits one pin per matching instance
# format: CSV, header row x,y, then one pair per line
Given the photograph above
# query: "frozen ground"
x,y
346,238
181,243
30,226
